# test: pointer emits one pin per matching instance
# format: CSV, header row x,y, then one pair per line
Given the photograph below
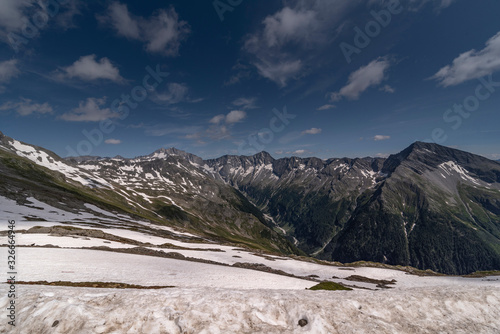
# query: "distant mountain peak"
x,y
263,155
164,153
169,151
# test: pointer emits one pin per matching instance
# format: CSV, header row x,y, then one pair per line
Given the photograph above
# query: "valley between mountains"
x,y
185,245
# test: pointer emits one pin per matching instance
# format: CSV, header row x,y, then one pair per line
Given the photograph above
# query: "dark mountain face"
x,y
428,206
438,209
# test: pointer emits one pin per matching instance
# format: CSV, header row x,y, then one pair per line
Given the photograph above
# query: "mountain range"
x,y
429,206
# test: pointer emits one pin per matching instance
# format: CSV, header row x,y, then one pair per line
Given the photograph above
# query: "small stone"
x,y
302,322
55,323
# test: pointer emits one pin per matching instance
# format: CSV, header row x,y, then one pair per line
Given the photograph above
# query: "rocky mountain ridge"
x,y
428,206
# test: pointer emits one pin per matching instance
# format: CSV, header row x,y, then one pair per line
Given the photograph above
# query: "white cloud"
x,y
15,13
279,72
297,39
381,137
217,119
26,107
297,152
90,111
382,155
367,76
122,21
245,103
88,68
161,33
388,89
8,70
113,141
289,42
12,13
326,107
165,32
235,116
221,125
312,131
288,24
471,64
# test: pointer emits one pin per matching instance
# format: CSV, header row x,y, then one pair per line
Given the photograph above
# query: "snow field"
x,y
213,311
231,255
80,265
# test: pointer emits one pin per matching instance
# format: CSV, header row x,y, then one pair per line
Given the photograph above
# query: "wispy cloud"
x,y
113,141
471,64
381,137
26,107
312,131
298,152
280,72
416,5
359,81
88,68
242,72
175,93
326,107
387,89
245,103
161,33
8,70
160,130
90,111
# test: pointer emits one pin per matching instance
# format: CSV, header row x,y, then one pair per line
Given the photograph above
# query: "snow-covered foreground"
x,y
211,298
44,309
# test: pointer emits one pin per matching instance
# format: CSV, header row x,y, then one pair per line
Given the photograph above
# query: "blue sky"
x,y
325,78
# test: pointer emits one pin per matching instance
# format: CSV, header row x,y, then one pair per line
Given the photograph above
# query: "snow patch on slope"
x,y
451,167
43,159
